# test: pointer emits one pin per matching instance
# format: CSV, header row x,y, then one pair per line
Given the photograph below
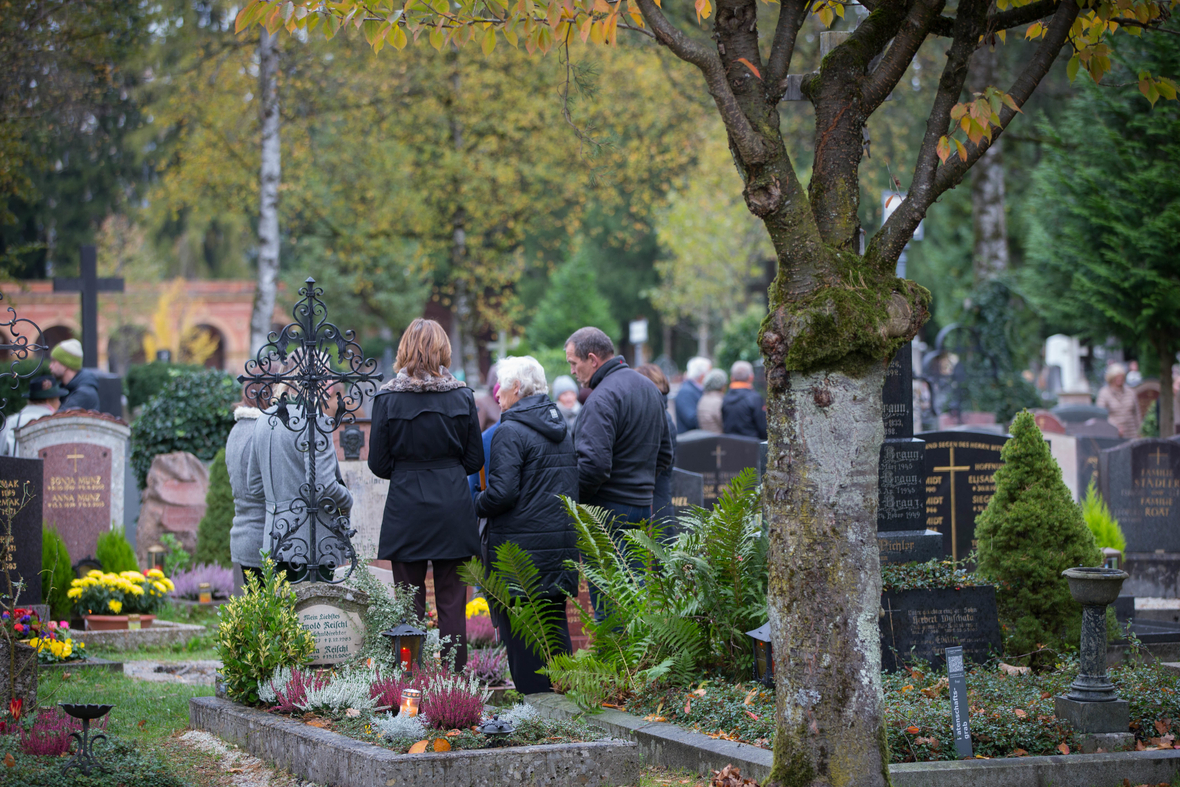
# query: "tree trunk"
x,y
703,333
825,579
990,258
1167,398
268,213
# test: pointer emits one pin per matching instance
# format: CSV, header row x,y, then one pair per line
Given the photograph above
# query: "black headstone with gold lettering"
x,y
960,481
21,500
1141,483
717,457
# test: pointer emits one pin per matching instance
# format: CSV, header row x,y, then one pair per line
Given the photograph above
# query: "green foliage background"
x,y
213,530
115,553
57,572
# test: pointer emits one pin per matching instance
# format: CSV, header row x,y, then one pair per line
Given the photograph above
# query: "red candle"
x,y
405,658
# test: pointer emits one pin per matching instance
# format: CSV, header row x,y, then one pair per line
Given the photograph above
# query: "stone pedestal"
x,y
1094,717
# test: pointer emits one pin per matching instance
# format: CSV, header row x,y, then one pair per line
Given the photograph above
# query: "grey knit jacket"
x,y
245,537
275,472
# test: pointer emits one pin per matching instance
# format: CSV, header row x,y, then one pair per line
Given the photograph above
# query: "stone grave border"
x,y
327,757
162,632
90,663
675,747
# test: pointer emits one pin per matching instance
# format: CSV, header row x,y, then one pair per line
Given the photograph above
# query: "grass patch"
x,y
144,711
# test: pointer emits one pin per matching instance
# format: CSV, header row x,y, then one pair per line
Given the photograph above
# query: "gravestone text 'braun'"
x,y
1141,483
21,499
717,457
960,482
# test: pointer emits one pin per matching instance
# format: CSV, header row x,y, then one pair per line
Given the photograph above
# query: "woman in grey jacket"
x,y
245,536
276,471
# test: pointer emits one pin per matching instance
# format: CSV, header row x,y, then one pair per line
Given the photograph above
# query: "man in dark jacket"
x,y
531,464
622,435
743,411
65,363
690,393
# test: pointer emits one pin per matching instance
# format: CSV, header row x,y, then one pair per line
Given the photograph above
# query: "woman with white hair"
x,y
532,461
1120,401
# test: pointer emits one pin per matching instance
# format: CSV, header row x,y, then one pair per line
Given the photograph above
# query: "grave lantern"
x,y
763,655
407,644
156,555
497,730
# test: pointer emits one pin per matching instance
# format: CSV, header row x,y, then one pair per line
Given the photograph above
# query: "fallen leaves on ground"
x,y
730,776
419,747
653,717
352,713
1019,753
750,697
1063,748
320,723
935,691
1019,713
9,761
912,730
442,744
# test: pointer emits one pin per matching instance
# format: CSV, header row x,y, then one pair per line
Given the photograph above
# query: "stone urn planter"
x,y
115,622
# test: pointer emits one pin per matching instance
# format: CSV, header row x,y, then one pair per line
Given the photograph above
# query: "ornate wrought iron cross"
x,y
17,345
313,400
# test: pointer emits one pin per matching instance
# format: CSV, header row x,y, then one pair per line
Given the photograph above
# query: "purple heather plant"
x,y
453,702
480,631
387,690
50,733
490,665
188,582
293,693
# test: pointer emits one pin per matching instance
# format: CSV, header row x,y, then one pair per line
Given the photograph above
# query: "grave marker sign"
x,y
960,709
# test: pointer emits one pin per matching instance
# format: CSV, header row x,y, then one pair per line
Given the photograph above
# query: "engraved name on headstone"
x,y
335,616
1141,484
21,499
923,624
960,481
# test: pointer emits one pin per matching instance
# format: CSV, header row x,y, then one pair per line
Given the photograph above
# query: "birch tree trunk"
x,y
271,175
990,258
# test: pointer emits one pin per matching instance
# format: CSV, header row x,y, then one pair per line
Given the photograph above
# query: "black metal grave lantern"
x,y
407,644
763,655
84,759
497,730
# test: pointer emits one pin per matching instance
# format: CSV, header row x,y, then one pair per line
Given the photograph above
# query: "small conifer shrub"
x,y
57,572
1030,532
213,531
115,553
1101,522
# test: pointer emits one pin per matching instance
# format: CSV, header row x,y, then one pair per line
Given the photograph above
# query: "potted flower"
x,y
108,600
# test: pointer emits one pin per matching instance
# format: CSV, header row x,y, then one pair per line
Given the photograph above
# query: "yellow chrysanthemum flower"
x,y
115,605
168,583
94,572
74,593
478,606
136,590
155,573
160,586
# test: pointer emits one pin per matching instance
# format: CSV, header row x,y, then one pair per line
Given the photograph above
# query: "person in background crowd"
x,y
249,523
425,438
1134,378
709,407
690,393
531,464
44,399
743,411
1121,403
661,503
489,408
621,437
565,393
65,362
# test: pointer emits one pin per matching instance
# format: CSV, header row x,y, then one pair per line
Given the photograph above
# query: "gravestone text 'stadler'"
x,y
1141,484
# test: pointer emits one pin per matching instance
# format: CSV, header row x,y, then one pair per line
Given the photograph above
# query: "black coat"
x,y
532,462
743,412
686,406
425,439
83,392
622,437
661,502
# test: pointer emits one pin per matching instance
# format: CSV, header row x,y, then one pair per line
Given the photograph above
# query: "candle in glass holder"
x,y
409,705
133,623
405,656
205,593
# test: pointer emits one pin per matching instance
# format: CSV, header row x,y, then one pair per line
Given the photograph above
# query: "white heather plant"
x,y
518,714
400,728
266,687
349,689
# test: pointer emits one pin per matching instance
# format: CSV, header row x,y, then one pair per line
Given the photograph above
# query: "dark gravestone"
x,y
719,458
960,481
901,473
1095,427
21,499
110,393
1141,484
1088,449
1078,413
688,490
922,624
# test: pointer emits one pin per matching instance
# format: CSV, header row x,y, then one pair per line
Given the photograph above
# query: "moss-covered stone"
x,y
1030,532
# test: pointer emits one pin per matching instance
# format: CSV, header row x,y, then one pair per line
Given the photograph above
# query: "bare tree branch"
x,y
901,52
1024,15
749,143
790,18
896,232
1148,26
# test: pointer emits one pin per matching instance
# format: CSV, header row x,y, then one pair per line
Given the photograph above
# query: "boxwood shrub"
x,y
193,413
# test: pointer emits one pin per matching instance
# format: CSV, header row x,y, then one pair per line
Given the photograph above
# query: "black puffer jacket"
x,y
532,462
83,392
622,437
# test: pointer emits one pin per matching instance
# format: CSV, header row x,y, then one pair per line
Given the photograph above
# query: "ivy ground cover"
x,y
1011,711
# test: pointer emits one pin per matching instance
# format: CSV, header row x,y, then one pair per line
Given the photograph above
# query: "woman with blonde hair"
x,y
1120,401
425,439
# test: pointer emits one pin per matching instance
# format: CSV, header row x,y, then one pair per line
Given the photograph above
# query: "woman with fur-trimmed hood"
x,y
425,439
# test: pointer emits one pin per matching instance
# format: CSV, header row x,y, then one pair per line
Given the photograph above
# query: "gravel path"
x,y
197,673
241,769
